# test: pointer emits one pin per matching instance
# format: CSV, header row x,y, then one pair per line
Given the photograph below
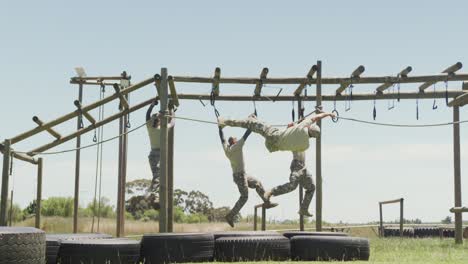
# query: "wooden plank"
x,y
328,80
459,210
260,82
123,101
403,74
93,83
85,114
450,71
174,96
309,78
354,76
459,100
39,122
37,222
97,78
392,201
163,216
329,98
19,156
215,85
89,128
74,114
318,155
457,175
5,182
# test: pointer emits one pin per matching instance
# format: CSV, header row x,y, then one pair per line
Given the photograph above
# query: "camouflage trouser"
x,y
244,182
299,175
154,161
271,134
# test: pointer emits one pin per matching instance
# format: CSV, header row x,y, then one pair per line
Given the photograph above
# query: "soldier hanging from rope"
x,y
234,152
153,124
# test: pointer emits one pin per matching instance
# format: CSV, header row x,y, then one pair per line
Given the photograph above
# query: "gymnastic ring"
x,y
337,116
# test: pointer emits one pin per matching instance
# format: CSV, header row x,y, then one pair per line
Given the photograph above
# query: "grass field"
x,y
388,250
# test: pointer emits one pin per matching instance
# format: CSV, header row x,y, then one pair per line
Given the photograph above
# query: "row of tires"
x,y
29,245
419,232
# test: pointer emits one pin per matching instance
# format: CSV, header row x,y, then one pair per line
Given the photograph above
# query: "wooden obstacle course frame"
x,y
355,78
400,201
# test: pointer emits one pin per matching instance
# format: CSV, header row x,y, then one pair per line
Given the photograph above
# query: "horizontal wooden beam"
x,y
99,78
74,114
450,71
329,80
20,156
309,78
403,74
459,100
459,210
392,201
89,128
331,98
51,131
260,82
94,83
86,114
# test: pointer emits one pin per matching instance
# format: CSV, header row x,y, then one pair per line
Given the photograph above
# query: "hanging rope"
x,y
434,104
398,86
100,172
417,109
391,102
374,112
128,124
293,114
446,93
255,107
213,103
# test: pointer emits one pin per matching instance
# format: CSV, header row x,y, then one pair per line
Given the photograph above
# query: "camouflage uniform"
x,y
154,160
245,181
299,175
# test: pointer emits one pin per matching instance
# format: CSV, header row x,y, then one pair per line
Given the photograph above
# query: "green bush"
x,y
151,214
57,206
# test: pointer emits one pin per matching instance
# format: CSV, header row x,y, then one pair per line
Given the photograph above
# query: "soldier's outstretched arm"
x,y
247,134
150,109
322,116
221,135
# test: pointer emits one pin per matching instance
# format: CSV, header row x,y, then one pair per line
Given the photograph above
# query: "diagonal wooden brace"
x,y
450,71
174,96
259,85
85,114
307,81
50,130
123,101
403,74
355,75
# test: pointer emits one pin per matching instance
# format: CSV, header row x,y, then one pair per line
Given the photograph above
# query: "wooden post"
x,y
255,219
164,158
11,208
170,181
457,175
263,218
77,165
124,175
301,189
402,218
37,223
5,179
381,233
318,155
119,180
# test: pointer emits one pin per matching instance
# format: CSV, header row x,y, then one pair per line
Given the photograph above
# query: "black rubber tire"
x,y
22,245
305,233
177,247
53,243
112,250
251,248
244,234
312,248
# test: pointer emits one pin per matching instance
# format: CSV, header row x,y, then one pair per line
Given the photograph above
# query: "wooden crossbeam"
x,y
93,83
450,71
459,210
20,156
74,114
50,130
309,77
85,114
392,201
89,128
330,98
260,82
174,96
354,76
100,78
216,77
123,101
403,74
459,100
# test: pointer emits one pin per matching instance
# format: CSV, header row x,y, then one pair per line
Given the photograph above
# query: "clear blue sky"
x,y
43,41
